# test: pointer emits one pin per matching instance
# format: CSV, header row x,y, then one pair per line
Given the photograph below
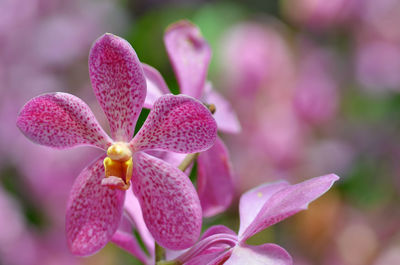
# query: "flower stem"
x,y
187,161
171,262
159,252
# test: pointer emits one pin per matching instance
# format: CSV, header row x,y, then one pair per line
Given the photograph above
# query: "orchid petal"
x,y
215,179
93,211
129,243
156,86
179,124
132,206
215,257
224,115
171,208
190,56
253,201
266,254
61,120
285,202
118,82
217,229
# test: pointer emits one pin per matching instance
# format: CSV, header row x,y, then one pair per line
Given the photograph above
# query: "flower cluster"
x,y
135,173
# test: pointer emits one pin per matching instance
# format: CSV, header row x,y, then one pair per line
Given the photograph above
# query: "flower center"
x,y
118,166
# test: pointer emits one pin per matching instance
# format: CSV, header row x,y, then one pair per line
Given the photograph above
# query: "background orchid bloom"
x,y
170,205
259,208
190,56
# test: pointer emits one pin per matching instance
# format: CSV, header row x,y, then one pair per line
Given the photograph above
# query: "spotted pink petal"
x,y
190,56
224,115
118,82
61,120
171,208
179,124
266,254
215,185
93,211
283,203
156,86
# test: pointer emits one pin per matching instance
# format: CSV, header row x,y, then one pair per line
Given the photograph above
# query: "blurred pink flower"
x,y
254,56
379,18
14,235
176,123
316,91
259,71
378,65
319,14
259,208
190,55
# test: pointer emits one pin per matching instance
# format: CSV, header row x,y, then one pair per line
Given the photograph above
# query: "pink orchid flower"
x,y
190,56
170,205
259,208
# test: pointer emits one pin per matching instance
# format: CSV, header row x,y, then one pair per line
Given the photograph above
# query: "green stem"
x,y
171,262
187,161
160,252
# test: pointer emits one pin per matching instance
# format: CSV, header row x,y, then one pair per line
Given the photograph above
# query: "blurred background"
x,y
316,86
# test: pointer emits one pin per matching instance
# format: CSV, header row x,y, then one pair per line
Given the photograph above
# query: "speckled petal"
x,y
93,211
224,115
156,86
267,254
179,124
61,120
118,82
284,203
215,184
171,208
190,56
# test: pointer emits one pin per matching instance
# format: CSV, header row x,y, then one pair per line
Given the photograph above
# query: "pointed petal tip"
x,y
179,24
60,120
118,82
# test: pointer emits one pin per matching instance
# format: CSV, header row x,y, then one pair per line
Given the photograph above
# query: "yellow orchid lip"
x,y
118,164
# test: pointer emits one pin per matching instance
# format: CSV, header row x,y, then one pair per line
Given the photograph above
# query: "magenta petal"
x,y
212,258
179,124
133,209
129,243
217,229
171,208
267,254
224,115
93,211
118,82
215,184
283,203
190,56
61,120
156,86
253,200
